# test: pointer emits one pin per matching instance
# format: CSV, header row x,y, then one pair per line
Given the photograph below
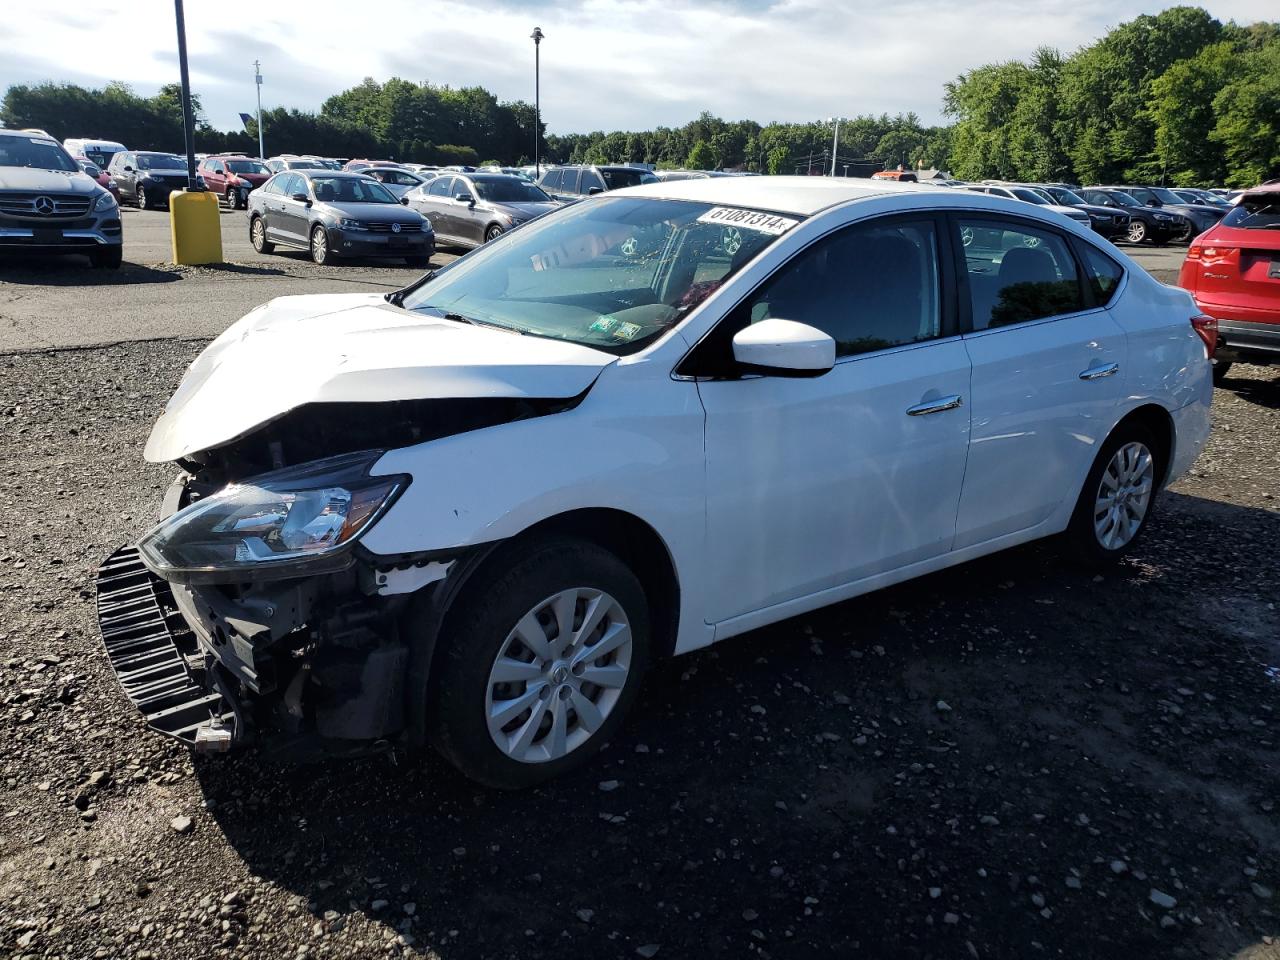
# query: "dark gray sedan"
x,y
334,214
472,208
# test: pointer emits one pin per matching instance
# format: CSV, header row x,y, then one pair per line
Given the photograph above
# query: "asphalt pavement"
x,y
58,302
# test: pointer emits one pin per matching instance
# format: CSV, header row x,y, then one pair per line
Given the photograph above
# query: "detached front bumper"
x,y
157,659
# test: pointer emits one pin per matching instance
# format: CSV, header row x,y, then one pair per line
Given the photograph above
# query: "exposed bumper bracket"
x,y
151,650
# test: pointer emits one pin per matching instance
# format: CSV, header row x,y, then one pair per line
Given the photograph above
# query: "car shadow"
x,y
72,270
1258,385
927,735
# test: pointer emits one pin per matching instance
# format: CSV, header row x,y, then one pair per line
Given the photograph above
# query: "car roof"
x,y
1263,190
26,134
342,174
800,195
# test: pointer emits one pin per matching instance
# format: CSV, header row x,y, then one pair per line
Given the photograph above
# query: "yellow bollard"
x,y
195,227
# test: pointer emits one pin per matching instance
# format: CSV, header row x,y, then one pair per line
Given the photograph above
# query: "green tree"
x,y
1248,112
701,157
1182,106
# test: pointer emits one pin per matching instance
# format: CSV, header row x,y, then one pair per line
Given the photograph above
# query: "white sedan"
x,y
474,512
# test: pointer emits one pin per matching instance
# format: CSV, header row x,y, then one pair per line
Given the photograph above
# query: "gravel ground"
x,y
1010,759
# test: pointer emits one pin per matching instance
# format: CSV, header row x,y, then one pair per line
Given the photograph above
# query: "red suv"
x,y
1233,271
233,178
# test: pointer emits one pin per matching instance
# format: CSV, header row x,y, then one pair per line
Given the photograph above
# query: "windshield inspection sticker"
x,y
769,223
604,324
626,331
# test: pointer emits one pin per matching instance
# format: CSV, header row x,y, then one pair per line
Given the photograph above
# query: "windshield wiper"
x,y
459,318
396,297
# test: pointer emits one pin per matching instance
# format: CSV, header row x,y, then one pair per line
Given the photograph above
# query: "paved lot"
x,y
1010,759
62,303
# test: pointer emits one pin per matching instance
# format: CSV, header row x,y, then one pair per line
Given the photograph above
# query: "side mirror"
x,y
301,198
405,201
592,191
128,169
1153,203
785,348
465,198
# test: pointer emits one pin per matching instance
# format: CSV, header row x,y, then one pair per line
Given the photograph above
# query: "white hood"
x,y
353,348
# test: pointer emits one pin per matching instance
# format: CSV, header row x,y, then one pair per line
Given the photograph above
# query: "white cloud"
x,y
606,64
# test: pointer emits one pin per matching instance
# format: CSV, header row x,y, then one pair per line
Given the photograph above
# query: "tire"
x,y
140,192
1137,231
319,246
1088,532
258,236
107,258
420,262
229,197
1220,368
493,233
546,690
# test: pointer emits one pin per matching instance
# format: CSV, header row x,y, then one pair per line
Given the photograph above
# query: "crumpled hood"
x,y
353,348
54,181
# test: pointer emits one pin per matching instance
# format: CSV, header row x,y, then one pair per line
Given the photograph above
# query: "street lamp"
x,y
536,37
835,141
257,79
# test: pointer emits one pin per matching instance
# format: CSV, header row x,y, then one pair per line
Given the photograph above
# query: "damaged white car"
x,y
473,512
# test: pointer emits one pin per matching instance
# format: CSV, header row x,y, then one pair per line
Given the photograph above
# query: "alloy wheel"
x,y
142,197
1137,231
319,245
966,235
259,234
558,675
1124,494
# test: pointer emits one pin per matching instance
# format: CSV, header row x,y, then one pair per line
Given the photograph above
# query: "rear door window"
x,y
441,186
1016,272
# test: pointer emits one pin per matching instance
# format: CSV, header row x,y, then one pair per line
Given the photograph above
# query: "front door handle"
x,y
1097,373
935,406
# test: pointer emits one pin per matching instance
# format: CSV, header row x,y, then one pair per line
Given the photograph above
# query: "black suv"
x,y
147,178
1145,223
575,182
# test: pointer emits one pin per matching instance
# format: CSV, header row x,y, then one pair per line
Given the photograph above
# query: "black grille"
x,y
386,228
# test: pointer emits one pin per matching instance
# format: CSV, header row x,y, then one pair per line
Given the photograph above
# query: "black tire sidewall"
x,y
507,587
493,233
1081,536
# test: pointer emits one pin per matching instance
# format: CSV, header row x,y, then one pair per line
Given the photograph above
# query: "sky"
x,y
606,64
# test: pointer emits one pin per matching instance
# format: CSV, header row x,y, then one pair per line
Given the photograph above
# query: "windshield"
x,y
617,179
245,166
100,155
160,161
1063,195
304,165
509,191
1166,196
1031,196
1254,213
34,152
351,190
613,274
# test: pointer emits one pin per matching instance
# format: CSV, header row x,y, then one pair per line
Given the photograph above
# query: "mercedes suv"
x,y
48,204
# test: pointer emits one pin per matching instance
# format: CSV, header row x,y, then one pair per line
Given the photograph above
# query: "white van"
x,y
99,151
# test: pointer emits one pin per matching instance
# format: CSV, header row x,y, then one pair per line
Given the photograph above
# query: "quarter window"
x,y
1101,272
870,286
1016,273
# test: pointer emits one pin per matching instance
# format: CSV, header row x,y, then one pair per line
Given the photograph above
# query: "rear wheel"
x,y
1137,230
258,236
542,657
107,258
1117,498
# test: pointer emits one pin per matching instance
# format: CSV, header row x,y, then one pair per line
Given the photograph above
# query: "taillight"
x,y
1194,252
1207,329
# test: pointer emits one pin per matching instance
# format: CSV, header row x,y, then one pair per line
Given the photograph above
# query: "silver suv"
x,y
49,205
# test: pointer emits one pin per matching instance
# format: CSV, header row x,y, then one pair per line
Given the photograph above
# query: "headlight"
x,y
426,225
294,522
105,202
346,224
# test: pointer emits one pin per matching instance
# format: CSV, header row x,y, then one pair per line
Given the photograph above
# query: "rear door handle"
x,y
1097,373
935,406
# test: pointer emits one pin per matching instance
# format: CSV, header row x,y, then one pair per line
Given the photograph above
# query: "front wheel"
x,y
258,236
493,233
1137,231
107,258
420,262
143,202
320,252
539,662
229,197
1117,498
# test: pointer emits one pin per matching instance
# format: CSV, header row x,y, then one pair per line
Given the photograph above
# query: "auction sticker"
x,y
769,223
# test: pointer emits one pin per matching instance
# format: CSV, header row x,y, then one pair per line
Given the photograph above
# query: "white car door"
x,y
1048,373
816,482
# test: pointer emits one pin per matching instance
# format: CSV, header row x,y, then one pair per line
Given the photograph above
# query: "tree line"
x,y
1177,97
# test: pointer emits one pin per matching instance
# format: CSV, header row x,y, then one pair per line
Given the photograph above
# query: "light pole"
x,y
536,37
835,142
257,80
188,126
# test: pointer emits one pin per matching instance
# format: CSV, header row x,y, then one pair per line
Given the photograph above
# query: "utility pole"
x,y
257,81
835,142
188,122
536,37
